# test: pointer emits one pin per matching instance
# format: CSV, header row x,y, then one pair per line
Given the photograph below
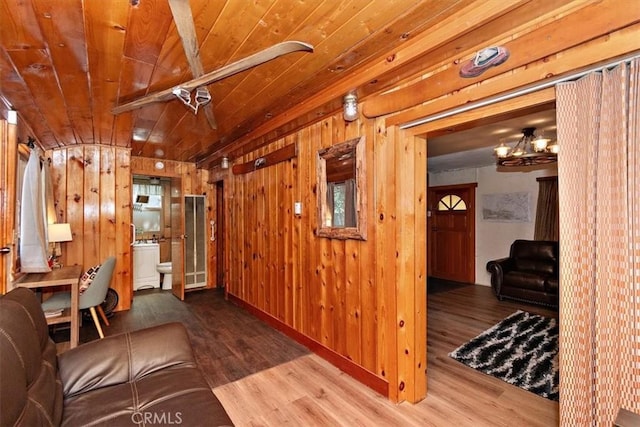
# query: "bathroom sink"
x,y
144,244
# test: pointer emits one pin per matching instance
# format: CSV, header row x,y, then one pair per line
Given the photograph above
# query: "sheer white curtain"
x,y
33,237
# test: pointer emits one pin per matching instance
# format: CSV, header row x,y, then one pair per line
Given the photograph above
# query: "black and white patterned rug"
x,y
521,350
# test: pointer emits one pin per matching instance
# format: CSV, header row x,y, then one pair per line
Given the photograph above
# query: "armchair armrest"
x,y
497,268
125,357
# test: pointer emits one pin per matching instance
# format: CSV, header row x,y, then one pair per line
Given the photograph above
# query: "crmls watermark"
x,y
160,418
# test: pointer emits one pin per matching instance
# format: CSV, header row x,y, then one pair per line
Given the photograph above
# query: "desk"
x,y
64,276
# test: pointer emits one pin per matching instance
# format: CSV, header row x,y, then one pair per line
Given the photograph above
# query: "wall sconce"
x,y
224,164
350,107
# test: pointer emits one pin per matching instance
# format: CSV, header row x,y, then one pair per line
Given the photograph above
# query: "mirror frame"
x,y
359,232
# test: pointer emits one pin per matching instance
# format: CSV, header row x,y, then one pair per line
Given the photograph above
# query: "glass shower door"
x,y
195,266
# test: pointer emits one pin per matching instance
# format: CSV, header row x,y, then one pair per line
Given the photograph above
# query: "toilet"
x,y
164,268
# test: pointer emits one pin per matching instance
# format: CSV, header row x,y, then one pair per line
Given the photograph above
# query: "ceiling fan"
x,y
183,19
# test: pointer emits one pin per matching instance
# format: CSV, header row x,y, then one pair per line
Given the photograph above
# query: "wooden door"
x,y
177,238
451,227
219,234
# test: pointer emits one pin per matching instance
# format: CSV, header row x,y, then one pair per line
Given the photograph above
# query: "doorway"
x,y
451,231
157,228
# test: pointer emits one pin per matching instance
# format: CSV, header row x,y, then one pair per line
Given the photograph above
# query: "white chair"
x,y
91,298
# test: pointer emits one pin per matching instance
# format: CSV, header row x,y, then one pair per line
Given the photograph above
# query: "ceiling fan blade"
x,y
208,111
183,19
162,96
258,58
250,61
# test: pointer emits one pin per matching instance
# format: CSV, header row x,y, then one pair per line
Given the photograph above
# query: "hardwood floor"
x,y
265,379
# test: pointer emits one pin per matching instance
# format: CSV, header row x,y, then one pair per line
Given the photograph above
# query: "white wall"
x,y
493,239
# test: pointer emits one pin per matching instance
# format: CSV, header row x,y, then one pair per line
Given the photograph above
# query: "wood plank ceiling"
x,y
64,64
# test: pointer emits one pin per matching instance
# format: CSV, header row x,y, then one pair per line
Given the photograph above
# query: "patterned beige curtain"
x,y
599,191
547,222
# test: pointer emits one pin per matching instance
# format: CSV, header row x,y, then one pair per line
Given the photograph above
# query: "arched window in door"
x,y
451,202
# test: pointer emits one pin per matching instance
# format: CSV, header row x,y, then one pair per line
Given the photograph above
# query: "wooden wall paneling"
x,y
290,235
303,232
351,294
252,279
5,222
405,312
386,250
259,241
8,166
59,181
123,280
91,206
316,247
237,237
322,134
352,301
75,205
410,266
107,207
270,233
337,288
419,359
368,286
280,226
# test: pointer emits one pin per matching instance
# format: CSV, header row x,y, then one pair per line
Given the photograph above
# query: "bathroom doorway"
x,y
156,241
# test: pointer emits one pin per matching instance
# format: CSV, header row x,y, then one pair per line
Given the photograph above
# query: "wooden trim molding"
x,y
361,374
280,155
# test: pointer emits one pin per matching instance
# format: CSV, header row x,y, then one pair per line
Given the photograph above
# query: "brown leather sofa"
x,y
529,274
143,378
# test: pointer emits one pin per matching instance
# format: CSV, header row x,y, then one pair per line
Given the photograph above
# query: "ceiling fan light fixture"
x,y
203,97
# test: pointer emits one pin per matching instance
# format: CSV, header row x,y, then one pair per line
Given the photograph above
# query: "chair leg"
x,y
102,315
94,315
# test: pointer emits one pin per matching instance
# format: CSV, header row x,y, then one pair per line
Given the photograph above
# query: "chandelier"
x,y
528,151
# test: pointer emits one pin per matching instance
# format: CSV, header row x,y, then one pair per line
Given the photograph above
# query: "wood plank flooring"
x,y
265,379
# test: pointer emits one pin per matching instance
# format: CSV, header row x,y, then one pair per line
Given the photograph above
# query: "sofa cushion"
x,y
535,265
177,395
525,280
28,364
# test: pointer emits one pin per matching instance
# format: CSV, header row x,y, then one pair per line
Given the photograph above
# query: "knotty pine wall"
x,y
92,192
342,295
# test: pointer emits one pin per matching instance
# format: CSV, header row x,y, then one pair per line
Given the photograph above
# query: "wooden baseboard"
x,y
346,365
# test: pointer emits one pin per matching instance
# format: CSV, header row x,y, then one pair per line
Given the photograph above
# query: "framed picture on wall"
x,y
507,207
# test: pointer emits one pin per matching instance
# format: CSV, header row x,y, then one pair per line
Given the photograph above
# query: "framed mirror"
x,y
341,190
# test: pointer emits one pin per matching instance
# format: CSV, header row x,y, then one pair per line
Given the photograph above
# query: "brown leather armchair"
x,y
529,274
146,377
